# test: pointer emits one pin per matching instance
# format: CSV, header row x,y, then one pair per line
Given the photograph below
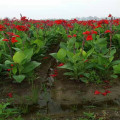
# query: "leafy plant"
x,y
22,64
6,111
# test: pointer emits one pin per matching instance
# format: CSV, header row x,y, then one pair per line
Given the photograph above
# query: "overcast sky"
x,y
43,9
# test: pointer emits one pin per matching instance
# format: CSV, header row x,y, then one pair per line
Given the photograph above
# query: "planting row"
x,y
89,50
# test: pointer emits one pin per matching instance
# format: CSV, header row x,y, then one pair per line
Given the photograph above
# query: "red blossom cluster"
x,y
107,31
88,34
70,36
22,28
24,19
10,95
2,28
10,68
13,39
55,70
54,74
104,93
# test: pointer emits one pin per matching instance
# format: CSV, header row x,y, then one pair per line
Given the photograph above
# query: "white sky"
x,y
43,9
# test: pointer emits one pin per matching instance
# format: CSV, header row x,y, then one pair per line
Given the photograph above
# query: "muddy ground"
x,y
61,98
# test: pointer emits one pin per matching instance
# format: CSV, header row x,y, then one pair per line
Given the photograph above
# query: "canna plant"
x,y
74,58
22,64
94,64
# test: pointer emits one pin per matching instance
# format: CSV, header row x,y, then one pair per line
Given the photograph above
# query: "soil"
x,y
64,98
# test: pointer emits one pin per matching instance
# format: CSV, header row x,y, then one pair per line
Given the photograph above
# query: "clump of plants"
x,y
91,59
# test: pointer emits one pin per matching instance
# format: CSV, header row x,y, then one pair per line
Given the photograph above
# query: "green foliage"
x,y
22,64
94,62
6,112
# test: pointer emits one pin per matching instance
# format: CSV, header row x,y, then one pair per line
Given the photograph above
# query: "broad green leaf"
x,y
90,52
30,66
19,78
83,52
61,54
54,55
116,62
114,76
7,62
116,69
17,49
39,44
19,57
77,45
28,53
69,73
14,70
67,66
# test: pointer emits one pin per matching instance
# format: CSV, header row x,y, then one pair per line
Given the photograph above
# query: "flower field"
x,y
40,56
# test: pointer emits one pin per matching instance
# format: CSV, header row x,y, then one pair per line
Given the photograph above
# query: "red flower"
x,y
89,37
110,15
55,71
74,35
61,64
12,34
53,75
22,28
86,33
5,40
2,28
13,40
107,31
106,81
104,93
81,76
10,95
94,32
45,58
12,65
8,69
69,36
85,61
41,28
99,25
16,35
107,91
97,92
58,22
24,19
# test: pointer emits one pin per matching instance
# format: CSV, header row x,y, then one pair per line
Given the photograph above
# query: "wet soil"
x,y
61,98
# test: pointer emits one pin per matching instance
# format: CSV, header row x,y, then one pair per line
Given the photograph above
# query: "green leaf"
x,y
116,69
19,57
116,62
39,44
54,55
84,80
63,45
7,62
28,53
67,66
14,70
19,78
86,75
61,54
90,52
30,66
114,76
17,49
77,45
